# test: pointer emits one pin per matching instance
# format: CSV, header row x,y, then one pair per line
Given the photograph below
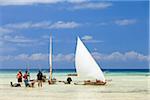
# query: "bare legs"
x,y
39,83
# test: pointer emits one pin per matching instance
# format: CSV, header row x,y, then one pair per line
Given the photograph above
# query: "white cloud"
x,y
19,25
135,55
39,57
5,58
125,22
89,39
73,4
64,25
63,57
89,5
27,2
4,30
117,56
25,57
44,25
114,56
22,57
31,2
26,25
16,39
32,57
10,41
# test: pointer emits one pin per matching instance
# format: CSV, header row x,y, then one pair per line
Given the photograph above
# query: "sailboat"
x,y
86,66
51,80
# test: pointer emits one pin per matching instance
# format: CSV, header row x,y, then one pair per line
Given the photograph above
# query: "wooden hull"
x,y
53,81
90,83
94,83
72,74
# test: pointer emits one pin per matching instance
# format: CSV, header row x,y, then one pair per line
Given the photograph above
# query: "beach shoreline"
x,y
123,86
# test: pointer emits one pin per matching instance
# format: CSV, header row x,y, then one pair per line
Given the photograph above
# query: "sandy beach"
x,y
123,87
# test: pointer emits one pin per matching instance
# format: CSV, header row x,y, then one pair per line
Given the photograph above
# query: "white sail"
x,y
86,66
50,57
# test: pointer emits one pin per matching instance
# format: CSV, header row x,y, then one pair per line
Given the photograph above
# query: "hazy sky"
x,y
116,33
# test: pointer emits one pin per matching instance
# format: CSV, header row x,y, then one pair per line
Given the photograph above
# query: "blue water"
x,y
106,71
36,70
74,70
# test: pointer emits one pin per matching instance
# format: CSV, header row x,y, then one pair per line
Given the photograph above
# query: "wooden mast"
x,y
50,57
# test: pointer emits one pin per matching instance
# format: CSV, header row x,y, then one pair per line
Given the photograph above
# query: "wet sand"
x,y
126,87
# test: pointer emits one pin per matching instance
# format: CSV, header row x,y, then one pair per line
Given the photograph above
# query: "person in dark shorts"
x,y
40,78
19,76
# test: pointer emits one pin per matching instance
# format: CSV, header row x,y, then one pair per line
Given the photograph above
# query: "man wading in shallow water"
x,y
40,78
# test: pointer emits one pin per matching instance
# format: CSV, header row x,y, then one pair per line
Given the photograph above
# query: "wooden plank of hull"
x,y
53,81
72,75
94,83
91,83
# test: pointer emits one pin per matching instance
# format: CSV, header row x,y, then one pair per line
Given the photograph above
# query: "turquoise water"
x,y
9,73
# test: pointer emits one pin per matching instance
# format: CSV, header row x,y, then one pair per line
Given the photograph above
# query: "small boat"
x,y
72,75
86,66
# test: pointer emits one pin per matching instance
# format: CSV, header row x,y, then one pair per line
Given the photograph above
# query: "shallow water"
x,y
124,86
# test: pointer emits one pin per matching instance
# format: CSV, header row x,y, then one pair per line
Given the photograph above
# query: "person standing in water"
x,y
26,78
19,76
40,78
28,73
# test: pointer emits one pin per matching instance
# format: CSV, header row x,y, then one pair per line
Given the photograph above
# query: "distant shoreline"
x,y
74,70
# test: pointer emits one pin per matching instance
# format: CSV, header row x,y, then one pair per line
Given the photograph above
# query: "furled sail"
x,y
86,66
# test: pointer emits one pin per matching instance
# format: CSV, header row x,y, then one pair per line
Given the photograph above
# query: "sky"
x,y
116,33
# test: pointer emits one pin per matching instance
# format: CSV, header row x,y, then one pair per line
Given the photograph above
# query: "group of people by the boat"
x,y
30,82
27,81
